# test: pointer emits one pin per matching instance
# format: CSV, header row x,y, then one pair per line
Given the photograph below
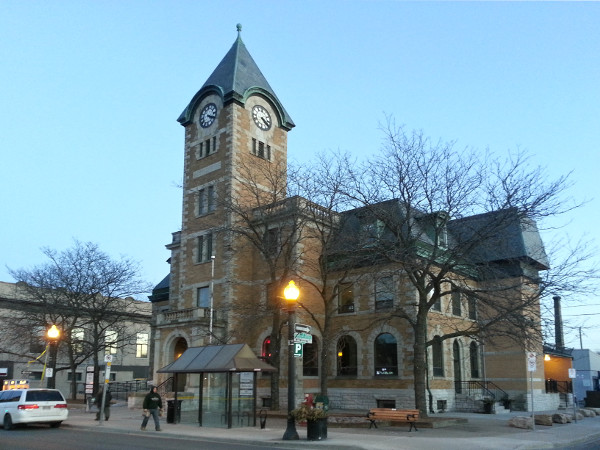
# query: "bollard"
x,y
262,415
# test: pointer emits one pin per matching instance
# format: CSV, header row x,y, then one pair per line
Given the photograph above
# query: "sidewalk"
x,y
481,431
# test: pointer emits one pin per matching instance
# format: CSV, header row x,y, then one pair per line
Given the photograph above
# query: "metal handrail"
x,y
485,388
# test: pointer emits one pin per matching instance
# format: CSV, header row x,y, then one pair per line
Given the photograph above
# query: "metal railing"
x,y
165,386
120,390
559,387
483,389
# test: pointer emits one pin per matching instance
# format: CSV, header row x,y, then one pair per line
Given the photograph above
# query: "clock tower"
x,y
234,124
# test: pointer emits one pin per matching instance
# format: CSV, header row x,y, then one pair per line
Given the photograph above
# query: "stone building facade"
x,y
220,285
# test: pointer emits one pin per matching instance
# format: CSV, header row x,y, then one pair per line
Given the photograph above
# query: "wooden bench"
x,y
393,415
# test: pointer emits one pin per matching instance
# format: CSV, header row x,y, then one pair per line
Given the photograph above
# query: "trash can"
x,y
173,413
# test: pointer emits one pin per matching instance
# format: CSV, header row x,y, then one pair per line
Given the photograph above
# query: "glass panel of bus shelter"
x,y
214,402
189,399
242,402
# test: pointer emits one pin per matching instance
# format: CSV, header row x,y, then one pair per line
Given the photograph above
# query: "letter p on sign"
x,y
298,350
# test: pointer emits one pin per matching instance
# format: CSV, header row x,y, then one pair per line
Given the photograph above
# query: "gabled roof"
x,y
218,358
236,78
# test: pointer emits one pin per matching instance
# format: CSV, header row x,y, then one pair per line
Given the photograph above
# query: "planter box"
x,y
316,430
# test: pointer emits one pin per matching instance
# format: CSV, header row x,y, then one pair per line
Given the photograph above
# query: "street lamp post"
x,y
291,294
53,335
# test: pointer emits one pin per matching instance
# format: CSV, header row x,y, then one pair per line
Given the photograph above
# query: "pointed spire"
x,y
235,78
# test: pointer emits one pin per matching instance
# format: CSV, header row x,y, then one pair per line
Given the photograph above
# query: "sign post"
x,y
572,375
531,366
108,361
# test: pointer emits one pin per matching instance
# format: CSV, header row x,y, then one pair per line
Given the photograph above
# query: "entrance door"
x,y
180,347
457,369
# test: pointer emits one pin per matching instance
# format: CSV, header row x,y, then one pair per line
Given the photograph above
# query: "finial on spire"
x,y
239,29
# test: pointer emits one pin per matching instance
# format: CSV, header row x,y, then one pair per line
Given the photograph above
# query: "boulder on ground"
x,y
587,412
560,418
521,422
543,419
577,416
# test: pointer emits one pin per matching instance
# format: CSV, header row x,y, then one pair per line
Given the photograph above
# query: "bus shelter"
x,y
220,386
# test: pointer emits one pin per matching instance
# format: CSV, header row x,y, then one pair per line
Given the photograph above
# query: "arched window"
x,y
437,357
474,357
266,350
386,355
310,359
346,356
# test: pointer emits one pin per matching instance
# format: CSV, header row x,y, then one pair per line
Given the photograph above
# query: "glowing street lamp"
x,y
291,294
53,335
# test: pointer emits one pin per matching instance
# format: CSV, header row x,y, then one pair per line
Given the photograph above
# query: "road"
x,y
43,437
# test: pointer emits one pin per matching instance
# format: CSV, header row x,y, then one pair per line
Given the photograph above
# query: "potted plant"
x,y
316,421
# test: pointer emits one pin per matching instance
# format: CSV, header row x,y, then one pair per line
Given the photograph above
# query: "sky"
x,y
90,93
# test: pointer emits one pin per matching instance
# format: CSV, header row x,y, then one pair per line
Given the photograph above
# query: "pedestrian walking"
x,y
152,407
106,404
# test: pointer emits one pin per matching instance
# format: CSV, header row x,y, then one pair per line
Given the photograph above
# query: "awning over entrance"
x,y
218,358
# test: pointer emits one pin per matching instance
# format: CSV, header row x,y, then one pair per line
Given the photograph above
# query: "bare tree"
x,y
447,222
87,295
264,219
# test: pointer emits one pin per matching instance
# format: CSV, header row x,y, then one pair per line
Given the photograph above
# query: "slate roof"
x,y
517,238
236,78
218,358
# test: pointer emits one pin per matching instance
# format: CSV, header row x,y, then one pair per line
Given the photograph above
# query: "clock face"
x,y
208,115
261,117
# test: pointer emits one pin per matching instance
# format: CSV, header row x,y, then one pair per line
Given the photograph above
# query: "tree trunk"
x,y
420,364
275,359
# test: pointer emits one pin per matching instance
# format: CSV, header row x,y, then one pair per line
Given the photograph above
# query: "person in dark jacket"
x,y
152,406
107,400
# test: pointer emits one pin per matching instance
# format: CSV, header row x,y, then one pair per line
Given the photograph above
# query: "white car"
x,y
32,406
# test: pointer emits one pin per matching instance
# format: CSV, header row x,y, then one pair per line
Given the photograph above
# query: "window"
x,y
203,298
437,357
141,345
346,356
201,201
272,241
204,248
266,350
456,306
345,298
207,147
472,305
206,200
210,192
437,306
261,149
474,357
110,338
384,293
386,355
78,376
386,403
371,231
77,340
36,342
310,359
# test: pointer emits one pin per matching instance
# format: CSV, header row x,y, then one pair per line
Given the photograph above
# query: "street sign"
x,y
531,361
301,328
107,358
572,373
303,338
298,350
